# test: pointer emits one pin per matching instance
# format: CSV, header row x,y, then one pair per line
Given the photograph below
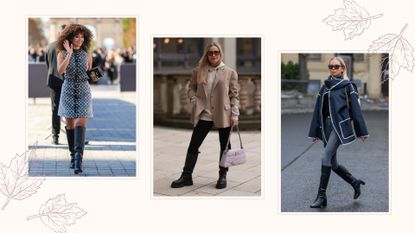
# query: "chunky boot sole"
x,y
77,171
220,186
181,185
321,205
221,183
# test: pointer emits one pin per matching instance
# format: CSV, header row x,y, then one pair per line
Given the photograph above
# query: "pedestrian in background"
x,y
74,59
54,82
214,92
337,120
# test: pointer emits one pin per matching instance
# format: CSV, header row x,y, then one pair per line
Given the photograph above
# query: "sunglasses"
x,y
336,67
211,53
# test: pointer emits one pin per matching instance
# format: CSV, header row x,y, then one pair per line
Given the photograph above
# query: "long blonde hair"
x,y
343,64
203,64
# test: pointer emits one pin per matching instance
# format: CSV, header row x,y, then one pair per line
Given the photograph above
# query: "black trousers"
x,y
55,95
199,134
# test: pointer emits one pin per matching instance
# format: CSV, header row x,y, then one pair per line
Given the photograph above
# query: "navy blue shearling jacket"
x,y
348,122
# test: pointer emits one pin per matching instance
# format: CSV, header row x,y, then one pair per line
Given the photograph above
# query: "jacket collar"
x,y
333,83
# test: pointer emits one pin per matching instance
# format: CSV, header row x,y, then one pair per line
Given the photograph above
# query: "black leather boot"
x,y
347,176
321,200
55,139
71,137
79,148
186,177
221,183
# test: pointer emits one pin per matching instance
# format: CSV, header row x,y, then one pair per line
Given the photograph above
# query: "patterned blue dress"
x,y
76,100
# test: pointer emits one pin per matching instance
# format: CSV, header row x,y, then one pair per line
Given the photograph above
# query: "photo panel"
x,y
82,97
334,132
202,88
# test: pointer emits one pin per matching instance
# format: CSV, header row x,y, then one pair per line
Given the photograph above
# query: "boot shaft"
x,y
79,139
70,135
324,180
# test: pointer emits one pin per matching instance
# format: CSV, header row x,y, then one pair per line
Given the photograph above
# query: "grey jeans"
x,y
329,157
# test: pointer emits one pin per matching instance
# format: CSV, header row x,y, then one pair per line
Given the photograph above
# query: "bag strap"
x,y
229,138
347,98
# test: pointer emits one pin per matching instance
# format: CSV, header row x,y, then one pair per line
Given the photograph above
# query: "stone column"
x,y
375,76
229,51
98,29
243,96
183,83
163,94
257,95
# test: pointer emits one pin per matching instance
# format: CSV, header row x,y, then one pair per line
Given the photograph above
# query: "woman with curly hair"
x,y
74,59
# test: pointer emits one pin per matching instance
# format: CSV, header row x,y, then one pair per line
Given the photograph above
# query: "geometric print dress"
x,y
76,100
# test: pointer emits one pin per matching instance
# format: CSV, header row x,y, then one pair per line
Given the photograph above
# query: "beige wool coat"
x,y
223,97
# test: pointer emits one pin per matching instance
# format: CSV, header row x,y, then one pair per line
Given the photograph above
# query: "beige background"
x,y
116,205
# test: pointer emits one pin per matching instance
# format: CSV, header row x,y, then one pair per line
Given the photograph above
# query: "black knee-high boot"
x,y
186,177
347,176
221,183
79,148
321,200
71,137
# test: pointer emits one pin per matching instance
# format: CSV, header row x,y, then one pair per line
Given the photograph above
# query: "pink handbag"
x,y
233,157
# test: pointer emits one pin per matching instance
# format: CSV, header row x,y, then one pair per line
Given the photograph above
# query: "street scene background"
x,y
301,161
174,60
111,135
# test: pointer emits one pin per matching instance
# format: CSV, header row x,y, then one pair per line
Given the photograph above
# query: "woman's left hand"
x,y
364,138
234,122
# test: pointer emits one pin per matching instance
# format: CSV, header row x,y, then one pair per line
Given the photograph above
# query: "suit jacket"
x,y
223,97
54,79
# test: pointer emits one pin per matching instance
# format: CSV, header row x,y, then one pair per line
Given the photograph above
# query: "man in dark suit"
x,y
54,82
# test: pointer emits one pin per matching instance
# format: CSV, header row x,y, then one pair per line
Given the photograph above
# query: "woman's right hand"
x,y
314,140
68,47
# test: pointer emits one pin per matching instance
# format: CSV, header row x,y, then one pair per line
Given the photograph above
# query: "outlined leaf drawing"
x,y
401,53
352,19
56,213
15,183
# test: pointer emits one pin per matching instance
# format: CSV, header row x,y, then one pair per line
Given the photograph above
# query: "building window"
x,y
176,53
358,57
314,57
248,54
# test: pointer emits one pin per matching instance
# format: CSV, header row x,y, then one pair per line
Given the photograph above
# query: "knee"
x,y
334,165
325,162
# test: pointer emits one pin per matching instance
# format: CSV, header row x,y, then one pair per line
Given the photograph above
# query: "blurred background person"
x,y
54,82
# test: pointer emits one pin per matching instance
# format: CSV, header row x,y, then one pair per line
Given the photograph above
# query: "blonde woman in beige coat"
x,y
214,93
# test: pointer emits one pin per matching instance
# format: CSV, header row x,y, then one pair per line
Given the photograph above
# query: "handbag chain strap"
x,y
229,138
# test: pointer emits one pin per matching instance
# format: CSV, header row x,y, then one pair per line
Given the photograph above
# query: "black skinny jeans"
x,y
199,134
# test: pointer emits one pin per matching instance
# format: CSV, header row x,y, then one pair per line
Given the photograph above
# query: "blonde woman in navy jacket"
x,y
337,120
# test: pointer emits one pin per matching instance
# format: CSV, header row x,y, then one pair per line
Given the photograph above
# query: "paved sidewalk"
x,y
111,133
170,146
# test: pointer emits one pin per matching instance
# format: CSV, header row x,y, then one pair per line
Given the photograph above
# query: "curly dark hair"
x,y
70,32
